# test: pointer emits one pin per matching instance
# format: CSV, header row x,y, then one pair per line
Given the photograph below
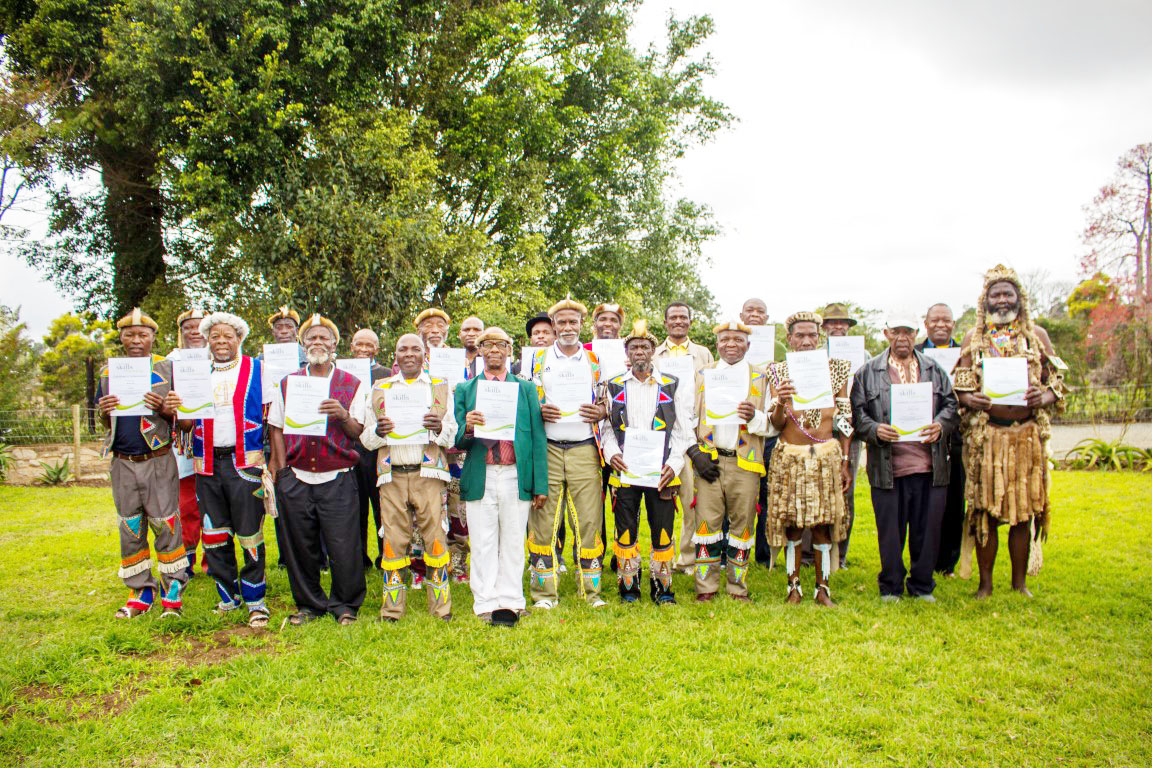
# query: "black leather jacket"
x,y
872,406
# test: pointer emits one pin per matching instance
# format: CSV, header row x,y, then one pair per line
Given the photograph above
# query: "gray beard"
x,y
1004,317
319,357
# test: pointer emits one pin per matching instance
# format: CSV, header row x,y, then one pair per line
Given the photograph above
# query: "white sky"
x,y
887,152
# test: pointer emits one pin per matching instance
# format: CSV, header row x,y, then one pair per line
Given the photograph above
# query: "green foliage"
x,y
1093,453
55,474
5,460
73,344
17,361
1067,337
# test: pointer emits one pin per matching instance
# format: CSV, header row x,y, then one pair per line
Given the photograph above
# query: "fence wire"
x,y
33,426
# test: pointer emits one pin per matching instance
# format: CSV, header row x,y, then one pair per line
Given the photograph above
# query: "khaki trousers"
x,y
733,495
406,498
575,489
146,494
686,493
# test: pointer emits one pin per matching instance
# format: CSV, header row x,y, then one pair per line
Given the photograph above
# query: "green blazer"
x,y
530,444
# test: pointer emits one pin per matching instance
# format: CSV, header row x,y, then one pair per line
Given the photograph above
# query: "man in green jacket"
x,y
502,478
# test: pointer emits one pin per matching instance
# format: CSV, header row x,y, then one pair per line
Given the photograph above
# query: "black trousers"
x,y
369,496
952,527
912,508
323,514
763,551
661,520
226,499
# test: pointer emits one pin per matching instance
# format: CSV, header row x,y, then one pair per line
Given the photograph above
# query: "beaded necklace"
x,y
1003,338
805,416
225,366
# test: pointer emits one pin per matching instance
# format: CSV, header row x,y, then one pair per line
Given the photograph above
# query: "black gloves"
x,y
705,466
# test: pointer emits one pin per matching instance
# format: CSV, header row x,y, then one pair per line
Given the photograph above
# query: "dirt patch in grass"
x,y
217,648
40,700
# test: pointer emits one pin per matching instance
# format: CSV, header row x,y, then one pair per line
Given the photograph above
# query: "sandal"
x,y
258,619
171,613
301,617
346,619
128,612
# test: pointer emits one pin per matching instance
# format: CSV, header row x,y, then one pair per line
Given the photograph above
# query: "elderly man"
x,y
728,460
314,480
809,464
677,321
638,401
413,476
365,345
470,330
837,322
189,337
228,455
500,481
753,313
284,324
574,477
940,325
144,479
1005,446
909,479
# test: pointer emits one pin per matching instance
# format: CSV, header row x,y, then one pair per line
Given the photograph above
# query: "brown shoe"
x,y
741,598
705,597
823,596
795,594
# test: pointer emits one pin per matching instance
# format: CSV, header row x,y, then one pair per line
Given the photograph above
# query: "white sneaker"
x,y
561,568
598,603
544,604
889,598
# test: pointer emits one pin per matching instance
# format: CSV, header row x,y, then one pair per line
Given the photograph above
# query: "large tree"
x,y
367,158
1119,230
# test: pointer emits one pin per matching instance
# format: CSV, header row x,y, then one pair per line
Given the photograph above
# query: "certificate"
x,y
945,357
724,390
812,379
406,406
130,378
761,345
279,361
644,457
360,367
683,368
447,363
610,354
568,387
199,353
911,410
850,348
302,405
497,401
1006,380
192,380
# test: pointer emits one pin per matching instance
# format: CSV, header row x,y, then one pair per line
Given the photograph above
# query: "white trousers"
x,y
497,525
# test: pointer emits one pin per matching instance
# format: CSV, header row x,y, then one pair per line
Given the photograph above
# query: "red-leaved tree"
x,y
1119,230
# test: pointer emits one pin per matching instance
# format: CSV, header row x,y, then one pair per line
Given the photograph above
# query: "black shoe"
x,y
666,600
302,617
630,598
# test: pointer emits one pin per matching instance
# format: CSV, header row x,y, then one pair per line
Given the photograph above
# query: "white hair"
x,y
226,318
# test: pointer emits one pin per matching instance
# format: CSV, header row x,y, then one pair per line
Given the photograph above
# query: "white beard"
x,y
319,356
1004,317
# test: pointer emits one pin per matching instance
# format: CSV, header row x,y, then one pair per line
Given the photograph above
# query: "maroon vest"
x,y
335,450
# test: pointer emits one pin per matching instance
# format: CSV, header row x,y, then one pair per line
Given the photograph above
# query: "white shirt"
x,y
276,419
641,408
409,454
223,390
554,360
727,436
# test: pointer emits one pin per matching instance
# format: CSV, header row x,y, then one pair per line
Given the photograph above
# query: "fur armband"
x,y
842,421
964,380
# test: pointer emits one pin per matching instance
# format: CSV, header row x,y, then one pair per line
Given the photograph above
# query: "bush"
x,y
1094,453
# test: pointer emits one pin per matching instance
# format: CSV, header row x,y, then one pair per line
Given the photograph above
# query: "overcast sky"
x,y
889,151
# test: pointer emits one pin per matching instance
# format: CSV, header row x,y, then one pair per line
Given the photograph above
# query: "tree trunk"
x,y
133,213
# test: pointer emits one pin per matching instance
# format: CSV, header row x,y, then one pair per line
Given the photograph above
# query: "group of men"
x,y
457,498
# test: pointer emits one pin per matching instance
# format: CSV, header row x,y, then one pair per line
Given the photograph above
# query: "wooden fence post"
x,y
76,441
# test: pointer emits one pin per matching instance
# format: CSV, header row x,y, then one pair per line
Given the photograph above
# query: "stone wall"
x,y
24,465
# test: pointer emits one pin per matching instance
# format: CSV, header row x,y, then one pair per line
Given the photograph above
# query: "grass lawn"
x,y
1063,679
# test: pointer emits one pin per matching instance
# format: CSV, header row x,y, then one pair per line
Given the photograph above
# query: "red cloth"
x,y
189,514
335,450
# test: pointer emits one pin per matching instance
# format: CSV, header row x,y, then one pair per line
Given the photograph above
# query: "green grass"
x,y
1062,679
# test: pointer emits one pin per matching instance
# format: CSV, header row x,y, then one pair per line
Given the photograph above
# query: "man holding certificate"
x,y
837,322
645,435
136,406
1008,387
566,379
316,416
761,351
904,408
228,456
731,398
810,407
409,426
283,356
192,345
505,472
365,347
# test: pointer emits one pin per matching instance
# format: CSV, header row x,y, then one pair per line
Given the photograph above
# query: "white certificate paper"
x,y
683,368
279,361
644,457
447,363
302,406
724,390
360,367
1006,380
568,387
945,357
129,378
812,380
850,348
192,380
911,410
197,353
497,401
406,407
761,345
526,355
610,354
